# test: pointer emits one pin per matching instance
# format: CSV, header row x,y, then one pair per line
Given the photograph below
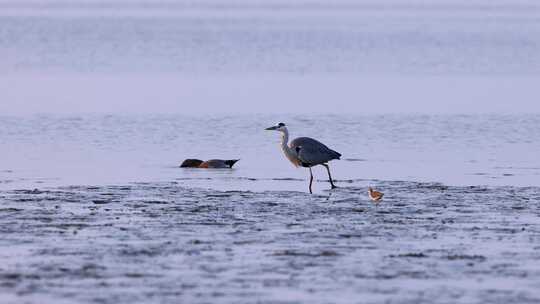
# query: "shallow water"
x,y
40,151
163,242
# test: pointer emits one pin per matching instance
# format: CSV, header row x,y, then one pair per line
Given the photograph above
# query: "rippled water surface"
x,y
426,243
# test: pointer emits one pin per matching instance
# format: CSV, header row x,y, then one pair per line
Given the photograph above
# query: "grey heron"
x,y
209,164
306,152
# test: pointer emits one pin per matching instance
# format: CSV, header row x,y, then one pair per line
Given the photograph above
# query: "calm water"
x,y
449,56
292,37
100,150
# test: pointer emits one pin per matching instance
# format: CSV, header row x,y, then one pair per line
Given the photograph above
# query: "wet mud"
x,y
165,243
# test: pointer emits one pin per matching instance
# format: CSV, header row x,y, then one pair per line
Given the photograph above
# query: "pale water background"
x,y
200,57
434,103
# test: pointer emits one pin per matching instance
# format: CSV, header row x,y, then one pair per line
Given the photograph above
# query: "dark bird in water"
x,y
306,152
209,164
374,195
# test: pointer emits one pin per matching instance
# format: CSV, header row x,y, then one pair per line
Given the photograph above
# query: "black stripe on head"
x,y
281,124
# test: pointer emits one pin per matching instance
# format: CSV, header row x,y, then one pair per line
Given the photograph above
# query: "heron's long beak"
x,y
271,128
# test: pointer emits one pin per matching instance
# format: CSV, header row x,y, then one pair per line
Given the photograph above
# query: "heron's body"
x,y
209,164
306,152
312,152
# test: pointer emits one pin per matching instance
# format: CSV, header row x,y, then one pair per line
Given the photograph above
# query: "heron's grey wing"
x,y
313,152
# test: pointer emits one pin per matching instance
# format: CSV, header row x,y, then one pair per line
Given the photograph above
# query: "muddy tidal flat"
x,y
166,243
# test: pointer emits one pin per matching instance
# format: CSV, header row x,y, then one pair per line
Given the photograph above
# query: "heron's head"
x,y
279,127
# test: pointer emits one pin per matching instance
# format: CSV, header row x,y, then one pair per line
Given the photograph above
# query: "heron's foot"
x,y
334,187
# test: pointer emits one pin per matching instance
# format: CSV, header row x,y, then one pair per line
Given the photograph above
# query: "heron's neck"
x,y
285,140
289,153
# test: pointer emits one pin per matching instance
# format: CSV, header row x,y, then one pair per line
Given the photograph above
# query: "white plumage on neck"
x,y
289,153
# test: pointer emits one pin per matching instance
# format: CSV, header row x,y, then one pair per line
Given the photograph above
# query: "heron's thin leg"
x,y
329,176
310,180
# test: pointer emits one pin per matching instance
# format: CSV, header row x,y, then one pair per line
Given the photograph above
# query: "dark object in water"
x,y
209,164
191,163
